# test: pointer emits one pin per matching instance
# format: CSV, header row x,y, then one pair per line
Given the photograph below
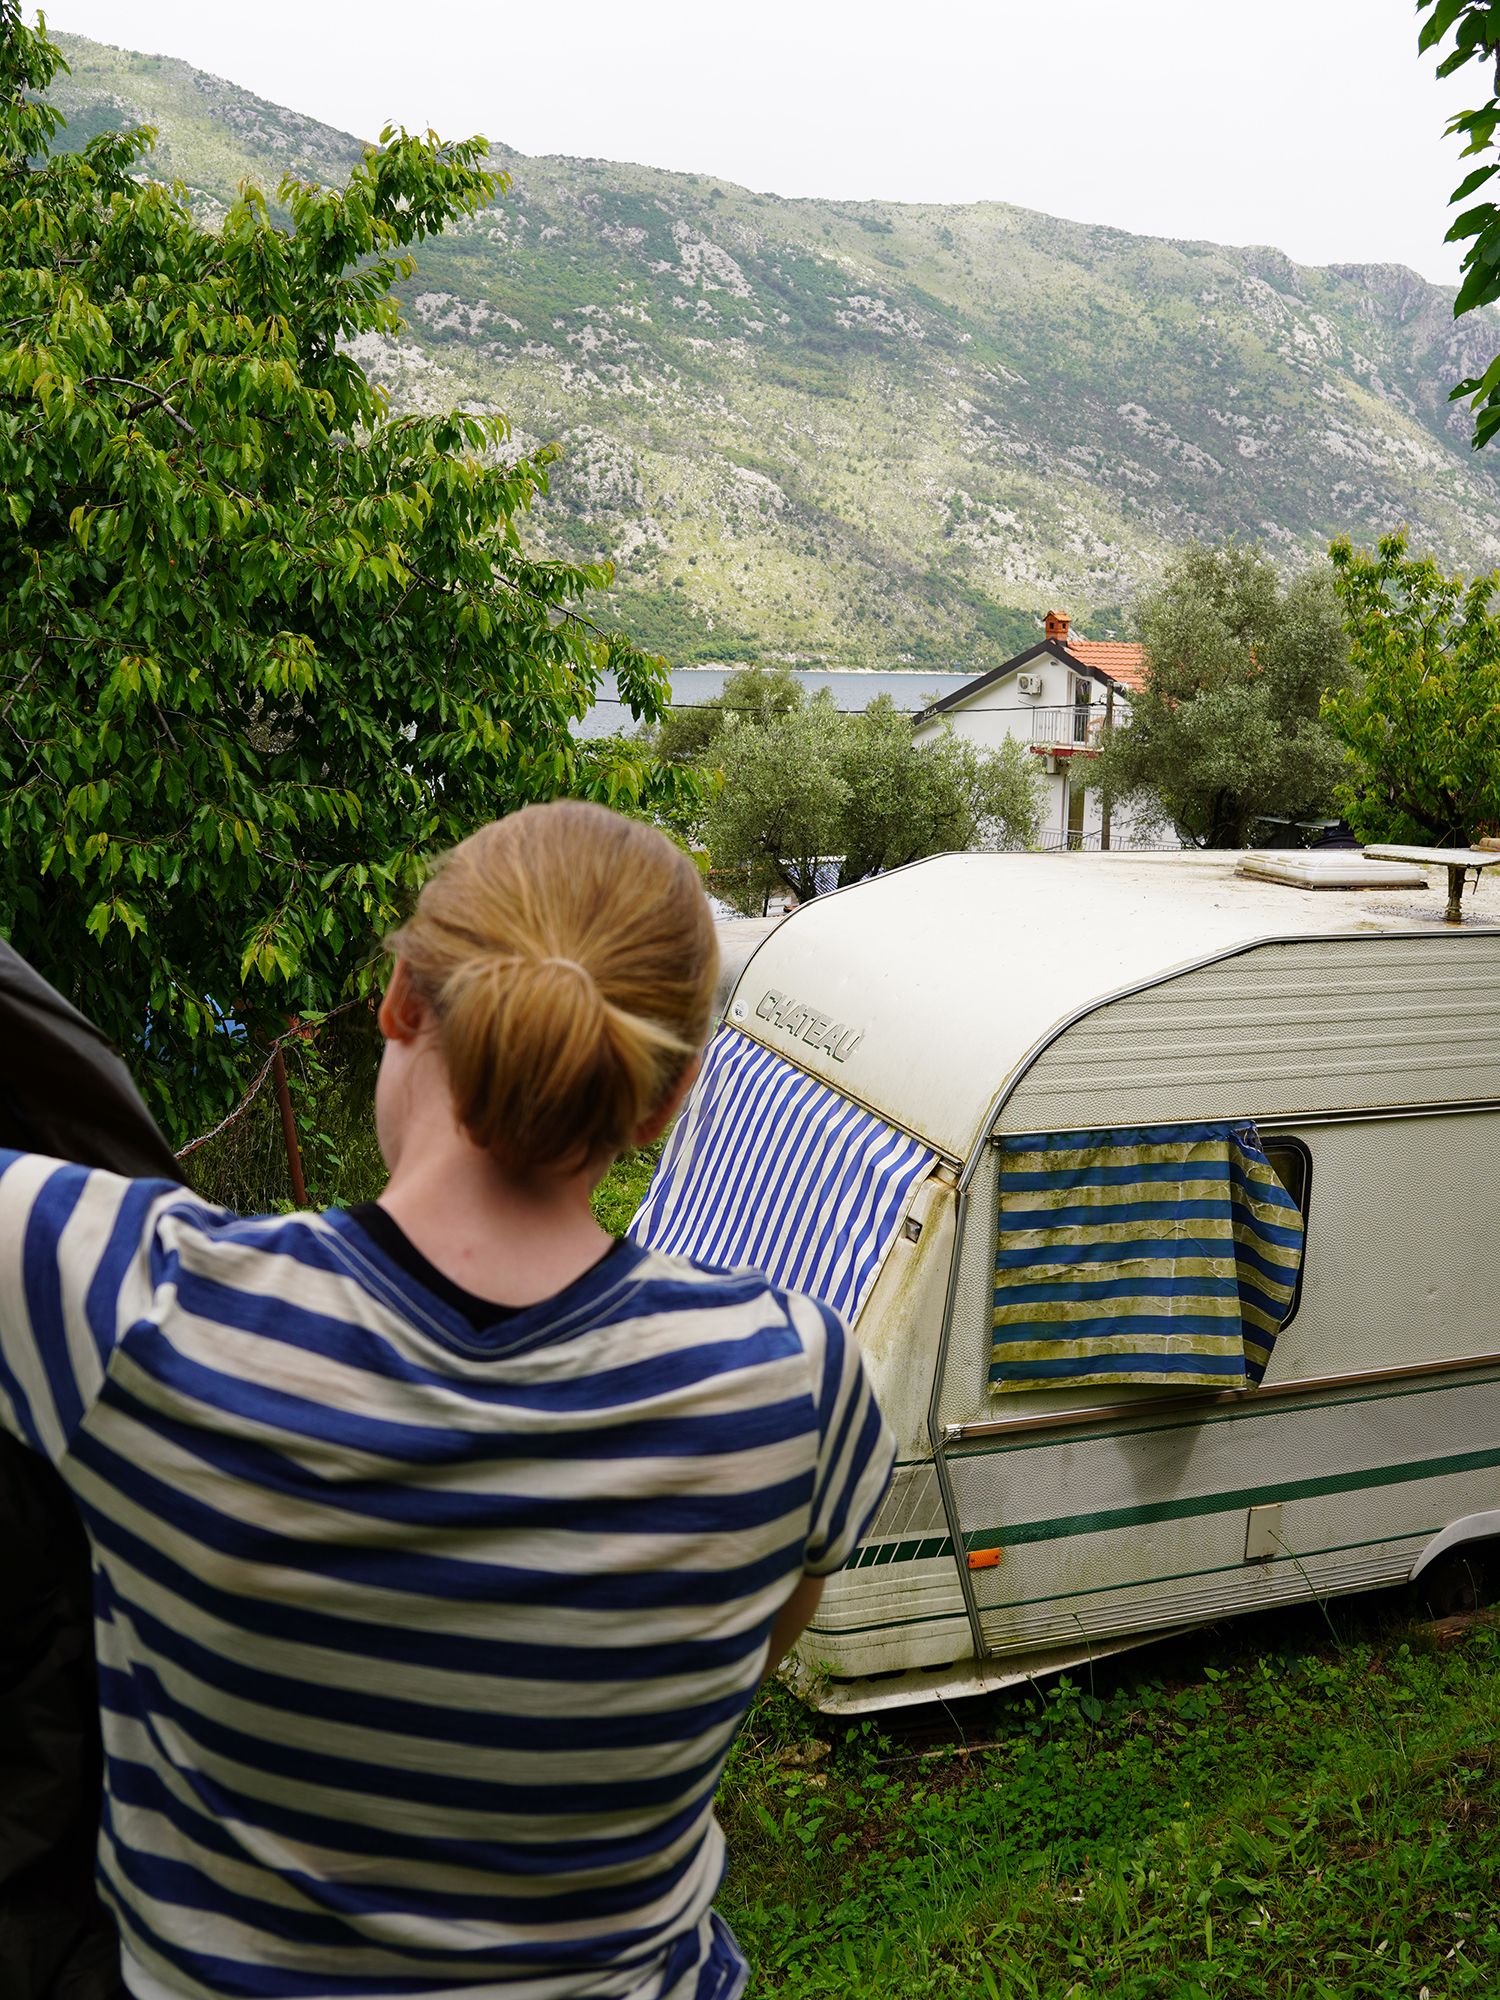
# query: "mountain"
x,y
867,433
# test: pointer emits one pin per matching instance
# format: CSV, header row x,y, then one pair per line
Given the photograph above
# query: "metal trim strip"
x,y
1198,1404
1239,1568
937,1435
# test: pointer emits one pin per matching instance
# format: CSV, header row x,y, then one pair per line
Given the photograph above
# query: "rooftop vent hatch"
x,y
1330,868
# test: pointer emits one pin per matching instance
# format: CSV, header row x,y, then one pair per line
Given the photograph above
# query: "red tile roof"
x,y
1121,659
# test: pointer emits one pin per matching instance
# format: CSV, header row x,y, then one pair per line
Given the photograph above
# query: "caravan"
x,y
1160,1196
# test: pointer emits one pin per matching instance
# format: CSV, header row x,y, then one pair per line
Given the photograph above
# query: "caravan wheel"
x,y
1460,1581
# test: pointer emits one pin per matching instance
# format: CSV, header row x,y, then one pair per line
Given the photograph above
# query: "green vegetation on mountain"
x,y
866,434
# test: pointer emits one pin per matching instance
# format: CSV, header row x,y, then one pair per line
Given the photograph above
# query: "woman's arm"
x,y
75,1272
792,1621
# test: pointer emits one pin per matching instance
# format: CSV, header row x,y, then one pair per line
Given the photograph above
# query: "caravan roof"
x,y
920,992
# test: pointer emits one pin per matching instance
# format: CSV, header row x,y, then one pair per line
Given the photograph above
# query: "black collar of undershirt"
x,y
388,1234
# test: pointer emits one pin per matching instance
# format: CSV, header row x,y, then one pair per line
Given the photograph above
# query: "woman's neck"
x,y
512,1238
511,1244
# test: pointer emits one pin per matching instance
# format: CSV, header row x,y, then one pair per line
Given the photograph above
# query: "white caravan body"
x,y
972,996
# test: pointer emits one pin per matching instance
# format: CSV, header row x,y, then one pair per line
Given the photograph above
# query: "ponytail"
x,y
569,957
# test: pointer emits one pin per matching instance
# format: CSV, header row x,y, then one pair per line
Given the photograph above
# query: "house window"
x,y
1075,789
1083,695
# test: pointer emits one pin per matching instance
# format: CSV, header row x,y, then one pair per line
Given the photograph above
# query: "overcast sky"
x,y
1309,124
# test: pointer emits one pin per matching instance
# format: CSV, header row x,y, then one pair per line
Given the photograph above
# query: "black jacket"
x,y
63,1091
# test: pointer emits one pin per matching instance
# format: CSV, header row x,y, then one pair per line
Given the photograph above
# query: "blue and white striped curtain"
x,y
769,1170
1166,1254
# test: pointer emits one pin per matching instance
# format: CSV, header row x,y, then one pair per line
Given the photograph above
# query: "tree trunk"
x,y
1229,821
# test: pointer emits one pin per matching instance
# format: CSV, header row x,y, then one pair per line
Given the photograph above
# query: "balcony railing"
x,y
1071,727
1069,841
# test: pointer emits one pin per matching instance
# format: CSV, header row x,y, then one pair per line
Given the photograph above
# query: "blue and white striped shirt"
x,y
421,1648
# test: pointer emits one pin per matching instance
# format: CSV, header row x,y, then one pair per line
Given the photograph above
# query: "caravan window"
x,y
770,1170
1292,1164
1163,1254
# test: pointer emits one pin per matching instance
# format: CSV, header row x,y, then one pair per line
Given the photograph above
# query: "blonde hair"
x,y
570,959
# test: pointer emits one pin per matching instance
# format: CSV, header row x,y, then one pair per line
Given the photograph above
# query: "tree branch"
x,y
142,389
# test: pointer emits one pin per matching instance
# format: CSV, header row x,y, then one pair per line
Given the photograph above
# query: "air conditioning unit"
x,y
1029,683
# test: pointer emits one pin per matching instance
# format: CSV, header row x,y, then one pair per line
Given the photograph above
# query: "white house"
x,y
1058,698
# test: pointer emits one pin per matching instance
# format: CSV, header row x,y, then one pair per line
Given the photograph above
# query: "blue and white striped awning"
x,y
769,1170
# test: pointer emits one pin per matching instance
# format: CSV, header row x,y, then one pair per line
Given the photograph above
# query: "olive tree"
x,y
809,797
1228,726
686,732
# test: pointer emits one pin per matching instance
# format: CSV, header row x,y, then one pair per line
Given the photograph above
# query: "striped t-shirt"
x,y
420,1646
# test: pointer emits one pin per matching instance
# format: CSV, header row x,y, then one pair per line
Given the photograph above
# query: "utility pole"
x,y
289,1128
1109,723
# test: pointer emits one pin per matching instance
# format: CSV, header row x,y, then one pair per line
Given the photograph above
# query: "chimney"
x,y
1057,627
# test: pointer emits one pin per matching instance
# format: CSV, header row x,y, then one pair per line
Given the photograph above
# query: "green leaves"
x,y
1475,28
1228,725
114,911
806,793
1441,18
1421,720
262,648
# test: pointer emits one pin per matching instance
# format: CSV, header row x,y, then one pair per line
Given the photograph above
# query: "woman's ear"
x,y
653,1127
403,1012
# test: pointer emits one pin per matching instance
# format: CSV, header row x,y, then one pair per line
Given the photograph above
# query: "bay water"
x,y
851,690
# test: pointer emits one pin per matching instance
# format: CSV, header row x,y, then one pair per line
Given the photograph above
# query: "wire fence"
x,y
299,1030
239,1110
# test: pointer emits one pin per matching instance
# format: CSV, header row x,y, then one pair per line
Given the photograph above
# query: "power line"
x,y
730,708
752,708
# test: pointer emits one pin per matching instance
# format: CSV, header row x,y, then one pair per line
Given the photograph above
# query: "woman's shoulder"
x,y
260,1252
686,1284
194,1217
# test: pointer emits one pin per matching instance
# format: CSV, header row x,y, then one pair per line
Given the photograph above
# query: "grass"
x,y
623,1188
1294,1807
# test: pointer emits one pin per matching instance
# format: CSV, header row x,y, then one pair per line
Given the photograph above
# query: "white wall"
x,y
1000,710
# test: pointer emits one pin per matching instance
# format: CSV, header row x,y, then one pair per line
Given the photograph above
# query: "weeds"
x,y
1288,1812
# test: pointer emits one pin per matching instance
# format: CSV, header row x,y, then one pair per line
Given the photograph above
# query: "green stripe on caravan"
x,y
1186,1507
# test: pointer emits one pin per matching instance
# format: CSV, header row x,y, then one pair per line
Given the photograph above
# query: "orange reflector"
x,y
983,1558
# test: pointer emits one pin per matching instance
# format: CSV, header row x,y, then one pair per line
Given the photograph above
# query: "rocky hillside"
x,y
865,434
